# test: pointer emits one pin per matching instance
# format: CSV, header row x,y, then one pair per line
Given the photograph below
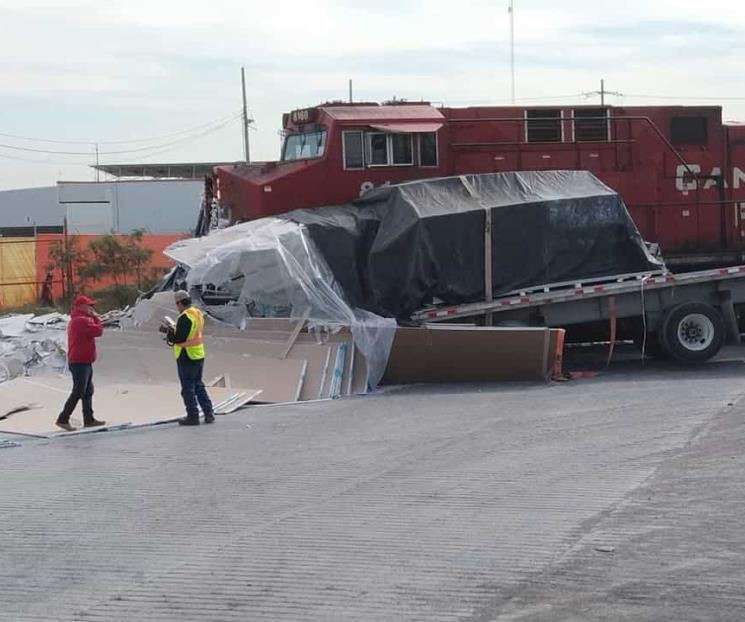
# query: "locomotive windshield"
x,y
303,146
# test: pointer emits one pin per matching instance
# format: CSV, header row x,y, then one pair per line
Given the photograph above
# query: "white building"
x,y
155,206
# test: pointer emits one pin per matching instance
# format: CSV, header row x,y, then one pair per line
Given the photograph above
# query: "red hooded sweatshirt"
x,y
82,331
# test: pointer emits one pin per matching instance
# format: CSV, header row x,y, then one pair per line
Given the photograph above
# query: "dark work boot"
x,y
189,421
209,418
65,425
93,423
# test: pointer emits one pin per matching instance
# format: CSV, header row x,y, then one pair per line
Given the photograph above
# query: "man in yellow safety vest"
x,y
188,348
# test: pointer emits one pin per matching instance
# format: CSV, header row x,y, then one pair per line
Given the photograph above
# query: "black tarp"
x,y
399,247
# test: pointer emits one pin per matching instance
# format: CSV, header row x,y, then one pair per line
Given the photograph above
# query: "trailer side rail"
x,y
580,292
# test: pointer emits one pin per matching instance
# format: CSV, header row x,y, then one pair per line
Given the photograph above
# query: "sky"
x,y
159,81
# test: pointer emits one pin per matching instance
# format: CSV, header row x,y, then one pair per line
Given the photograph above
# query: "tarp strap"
x,y
612,320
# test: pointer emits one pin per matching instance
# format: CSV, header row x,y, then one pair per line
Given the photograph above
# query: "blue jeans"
x,y
192,387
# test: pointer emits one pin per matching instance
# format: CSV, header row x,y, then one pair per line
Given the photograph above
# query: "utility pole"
x,y
511,10
602,92
98,173
246,151
350,90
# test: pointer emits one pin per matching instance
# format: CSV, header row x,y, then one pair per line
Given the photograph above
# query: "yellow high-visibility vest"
x,y
194,343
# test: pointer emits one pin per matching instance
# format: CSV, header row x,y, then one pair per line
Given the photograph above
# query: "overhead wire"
x,y
191,139
146,152
686,97
210,129
518,100
122,142
5,156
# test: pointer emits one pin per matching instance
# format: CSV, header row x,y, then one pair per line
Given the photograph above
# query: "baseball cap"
x,y
84,300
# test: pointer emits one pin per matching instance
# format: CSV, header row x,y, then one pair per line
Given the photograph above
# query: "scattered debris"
x,y
18,409
286,360
271,269
54,321
605,549
28,341
115,317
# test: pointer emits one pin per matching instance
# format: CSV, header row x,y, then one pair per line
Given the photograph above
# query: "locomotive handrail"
x,y
513,143
652,124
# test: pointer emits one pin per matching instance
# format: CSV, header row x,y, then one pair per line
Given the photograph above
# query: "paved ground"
x,y
613,498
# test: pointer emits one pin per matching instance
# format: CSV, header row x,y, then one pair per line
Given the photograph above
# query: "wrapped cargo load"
x,y
271,268
401,247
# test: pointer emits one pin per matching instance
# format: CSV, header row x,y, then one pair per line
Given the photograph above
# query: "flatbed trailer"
x,y
686,317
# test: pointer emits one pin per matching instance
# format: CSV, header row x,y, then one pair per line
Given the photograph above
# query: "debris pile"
x,y
37,343
28,341
271,269
269,361
286,360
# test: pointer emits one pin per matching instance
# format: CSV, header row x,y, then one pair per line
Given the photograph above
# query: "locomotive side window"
x,y
688,131
428,149
369,149
591,125
377,149
543,126
402,152
353,147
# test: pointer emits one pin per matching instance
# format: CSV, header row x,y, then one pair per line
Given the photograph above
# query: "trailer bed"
x,y
702,305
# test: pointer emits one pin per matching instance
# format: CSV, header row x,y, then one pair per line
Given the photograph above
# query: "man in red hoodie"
x,y
82,330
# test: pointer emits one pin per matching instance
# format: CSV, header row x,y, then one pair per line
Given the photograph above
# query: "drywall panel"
x,y
117,404
148,358
458,354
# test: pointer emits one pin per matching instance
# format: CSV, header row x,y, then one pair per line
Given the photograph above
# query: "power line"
x,y
170,148
119,142
150,151
211,129
687,97
5,156
508,99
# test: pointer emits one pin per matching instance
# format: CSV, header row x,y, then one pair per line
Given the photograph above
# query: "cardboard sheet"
x,y
452,353
262,337
360,383
118,405
143,357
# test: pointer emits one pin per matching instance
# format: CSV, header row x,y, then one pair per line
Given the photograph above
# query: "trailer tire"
x,y
692,332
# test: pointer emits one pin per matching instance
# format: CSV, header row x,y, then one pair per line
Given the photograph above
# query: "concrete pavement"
x,y
615,498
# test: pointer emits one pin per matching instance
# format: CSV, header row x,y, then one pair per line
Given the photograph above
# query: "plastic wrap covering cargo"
x,y
273,269
400,247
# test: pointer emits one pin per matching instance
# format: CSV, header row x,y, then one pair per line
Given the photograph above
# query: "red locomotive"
x,y
680,170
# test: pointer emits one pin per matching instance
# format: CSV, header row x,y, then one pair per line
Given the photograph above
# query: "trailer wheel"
x,y
692,332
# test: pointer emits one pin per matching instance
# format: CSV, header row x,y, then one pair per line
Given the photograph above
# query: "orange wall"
x,y
44,241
